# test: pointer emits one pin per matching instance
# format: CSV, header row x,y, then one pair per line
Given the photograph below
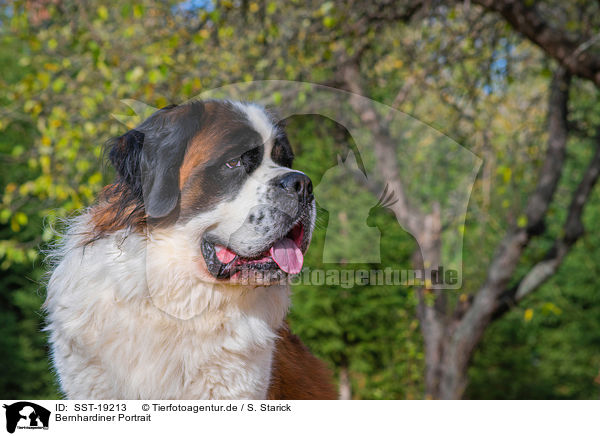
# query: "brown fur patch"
x,y
115,211
296,373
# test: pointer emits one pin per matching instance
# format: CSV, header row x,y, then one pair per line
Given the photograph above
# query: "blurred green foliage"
x,y
65,68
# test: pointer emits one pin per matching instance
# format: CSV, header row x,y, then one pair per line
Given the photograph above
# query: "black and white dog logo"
x,y
26,415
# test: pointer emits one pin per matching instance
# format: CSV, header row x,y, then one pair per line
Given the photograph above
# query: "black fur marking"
x,y
281,152
252,159
125,154
260,218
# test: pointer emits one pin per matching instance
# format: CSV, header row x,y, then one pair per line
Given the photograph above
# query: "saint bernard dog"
x,y
173,285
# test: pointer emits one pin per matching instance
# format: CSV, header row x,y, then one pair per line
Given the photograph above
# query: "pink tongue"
x,y
287,255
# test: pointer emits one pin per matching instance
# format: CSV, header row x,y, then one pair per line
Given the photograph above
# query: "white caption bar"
x,y
299,417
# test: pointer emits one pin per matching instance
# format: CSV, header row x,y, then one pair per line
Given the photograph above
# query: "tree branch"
x,y
506,258
492,294
384,149
572,53
539,201
573,230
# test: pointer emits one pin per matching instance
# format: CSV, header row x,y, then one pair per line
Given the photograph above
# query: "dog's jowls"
x,y
173,286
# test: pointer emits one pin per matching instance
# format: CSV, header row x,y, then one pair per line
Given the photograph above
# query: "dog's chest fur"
x,y
110,340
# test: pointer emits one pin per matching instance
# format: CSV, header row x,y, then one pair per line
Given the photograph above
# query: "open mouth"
x,y
286,255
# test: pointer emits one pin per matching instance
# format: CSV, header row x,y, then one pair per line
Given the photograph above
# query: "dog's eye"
x,y
233,163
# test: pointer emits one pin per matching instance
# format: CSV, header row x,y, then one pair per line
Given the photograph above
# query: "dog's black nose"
x,y
297,183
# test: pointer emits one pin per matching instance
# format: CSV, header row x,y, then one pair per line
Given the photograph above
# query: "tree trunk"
x,y
345,387
450,340
451,335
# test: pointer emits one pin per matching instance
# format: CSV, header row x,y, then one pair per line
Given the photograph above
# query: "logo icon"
x,y
26,415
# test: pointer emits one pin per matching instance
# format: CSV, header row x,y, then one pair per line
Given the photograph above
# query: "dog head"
x,y
216,176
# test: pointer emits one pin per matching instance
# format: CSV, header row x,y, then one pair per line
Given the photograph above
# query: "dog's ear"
x,y
160,165
125,155
149,168
167,134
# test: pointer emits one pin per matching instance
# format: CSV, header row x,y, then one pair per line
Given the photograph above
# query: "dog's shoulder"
x,y
297,374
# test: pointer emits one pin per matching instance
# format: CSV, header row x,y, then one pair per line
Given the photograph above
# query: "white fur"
x,y
111,339
259,120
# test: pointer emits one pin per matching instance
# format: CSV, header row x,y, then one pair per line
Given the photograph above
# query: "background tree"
x,y
514,82
452,329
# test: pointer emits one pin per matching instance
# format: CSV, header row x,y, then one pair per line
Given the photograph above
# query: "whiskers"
x,y
321,220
